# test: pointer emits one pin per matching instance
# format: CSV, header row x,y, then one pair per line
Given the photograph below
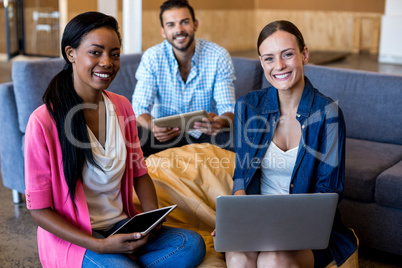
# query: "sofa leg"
x,y
17,197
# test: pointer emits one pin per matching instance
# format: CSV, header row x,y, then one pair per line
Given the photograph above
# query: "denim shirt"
x,y
320,161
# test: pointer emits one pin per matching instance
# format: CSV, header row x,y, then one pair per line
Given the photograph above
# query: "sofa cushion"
x,y
248,75
30,80
389,187
371,102
365,160
375,225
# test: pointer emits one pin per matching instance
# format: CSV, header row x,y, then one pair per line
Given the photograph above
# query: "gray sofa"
x,y
372,106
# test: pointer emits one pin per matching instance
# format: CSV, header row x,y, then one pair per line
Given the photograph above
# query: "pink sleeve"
x,y
37,166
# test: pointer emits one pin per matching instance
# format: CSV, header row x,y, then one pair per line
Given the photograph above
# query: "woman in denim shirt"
x,y
289,139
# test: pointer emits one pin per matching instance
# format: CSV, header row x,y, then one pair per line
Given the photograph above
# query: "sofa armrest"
x,y
12,161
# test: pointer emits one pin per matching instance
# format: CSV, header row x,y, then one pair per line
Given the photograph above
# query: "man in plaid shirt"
x,y
184,74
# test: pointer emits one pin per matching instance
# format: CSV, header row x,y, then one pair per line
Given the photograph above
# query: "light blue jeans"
x,y
172,247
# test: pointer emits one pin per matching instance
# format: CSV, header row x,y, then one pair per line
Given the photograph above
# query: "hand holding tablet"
x,y
183,121
144,222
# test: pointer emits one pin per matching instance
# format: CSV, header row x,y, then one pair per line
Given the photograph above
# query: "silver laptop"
x,y
274,222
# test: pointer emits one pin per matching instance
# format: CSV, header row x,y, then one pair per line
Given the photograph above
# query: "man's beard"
x,y
185,48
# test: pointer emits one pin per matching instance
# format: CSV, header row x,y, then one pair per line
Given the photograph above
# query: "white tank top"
x,y
276,170
102,187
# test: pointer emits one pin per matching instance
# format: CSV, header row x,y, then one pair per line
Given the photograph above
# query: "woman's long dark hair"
x,y
60,97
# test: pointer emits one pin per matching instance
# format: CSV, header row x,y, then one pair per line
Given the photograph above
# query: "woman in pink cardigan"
x,y
83,160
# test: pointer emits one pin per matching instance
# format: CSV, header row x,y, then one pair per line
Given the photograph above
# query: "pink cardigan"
x,y
46,185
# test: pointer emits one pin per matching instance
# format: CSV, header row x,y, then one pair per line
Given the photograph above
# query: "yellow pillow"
x,y
192,177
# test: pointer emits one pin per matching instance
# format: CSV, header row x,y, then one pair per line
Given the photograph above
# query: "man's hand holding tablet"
x,y
169,127
184,121
210,125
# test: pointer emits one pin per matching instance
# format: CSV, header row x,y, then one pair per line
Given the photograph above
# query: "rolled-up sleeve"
x,y
224,91
239,172
331,168
38,181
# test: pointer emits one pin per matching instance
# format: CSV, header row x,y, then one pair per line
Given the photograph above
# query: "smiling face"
x,y
96,61
283,62
179,28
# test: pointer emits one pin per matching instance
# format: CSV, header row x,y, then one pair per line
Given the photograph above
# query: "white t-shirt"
x,y
276,170
102,187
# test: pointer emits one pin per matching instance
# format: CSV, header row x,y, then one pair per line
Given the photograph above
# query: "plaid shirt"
x,y
161,91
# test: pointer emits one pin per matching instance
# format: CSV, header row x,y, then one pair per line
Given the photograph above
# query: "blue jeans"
x,y
172,247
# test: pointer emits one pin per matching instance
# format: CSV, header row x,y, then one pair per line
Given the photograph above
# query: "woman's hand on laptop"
x,y
240,192
213,233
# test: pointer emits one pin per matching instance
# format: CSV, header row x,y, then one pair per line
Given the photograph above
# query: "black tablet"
x,y
183,121
144,222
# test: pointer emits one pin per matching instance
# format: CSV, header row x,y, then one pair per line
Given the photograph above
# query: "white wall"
x,y
391,33
132,26
109,7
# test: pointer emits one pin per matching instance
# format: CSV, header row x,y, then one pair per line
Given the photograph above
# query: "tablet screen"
x,y
144,222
